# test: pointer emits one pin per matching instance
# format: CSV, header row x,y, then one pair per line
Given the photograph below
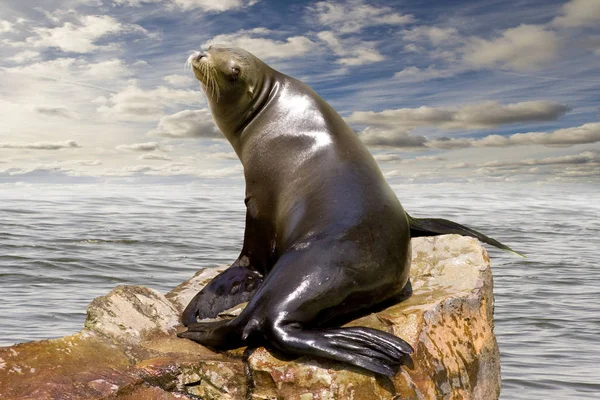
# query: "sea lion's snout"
x,y
195,58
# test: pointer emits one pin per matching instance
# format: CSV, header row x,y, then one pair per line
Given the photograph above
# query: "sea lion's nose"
x,y
200,56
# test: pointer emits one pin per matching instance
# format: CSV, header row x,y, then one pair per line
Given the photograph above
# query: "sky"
x,y
451,91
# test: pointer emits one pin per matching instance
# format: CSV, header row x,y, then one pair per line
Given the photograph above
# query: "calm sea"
x,y
62,246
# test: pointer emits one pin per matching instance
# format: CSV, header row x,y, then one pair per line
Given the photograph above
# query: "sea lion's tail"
x,y
438,226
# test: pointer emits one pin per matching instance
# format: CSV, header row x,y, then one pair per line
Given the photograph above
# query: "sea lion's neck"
x,y
232,120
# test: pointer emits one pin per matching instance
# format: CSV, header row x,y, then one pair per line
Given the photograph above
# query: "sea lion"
x,y
325,234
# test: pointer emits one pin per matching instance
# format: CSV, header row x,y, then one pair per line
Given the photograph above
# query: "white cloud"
x,y
262,47
351,51
70,168
526,47
391,137
23,56
475,116
578,13
393,128
148,146
134,103
51,101
179,80
186,124
568,167
393,157
81,37
587,133
205,5
415,74
151,156
135,3
387,157
5,26
213,5
53,111
55,99
69,144
433,34
581,158
72,70
178,169
223,155
354,15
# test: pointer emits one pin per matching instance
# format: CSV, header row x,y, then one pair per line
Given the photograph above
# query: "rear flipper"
x,y
231,287
368,348
437,226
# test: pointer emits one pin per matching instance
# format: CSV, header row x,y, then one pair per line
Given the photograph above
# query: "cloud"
x,y
585,157
178,80
40,145
393,157
151,156
387,157
526,47
83,35
205,5
354,15
50,111
392,128
476,116
174,169
214,6
578,13
415,74
135,3
432,34
23,56
187,124
558,168
223,155
90,171
134,103
61,167
587,133
5,26
391,137
179,169
351,51
344,20
253,40
149,146
74,70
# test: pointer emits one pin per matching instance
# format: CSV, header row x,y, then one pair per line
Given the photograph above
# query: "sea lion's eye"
x,y
235,72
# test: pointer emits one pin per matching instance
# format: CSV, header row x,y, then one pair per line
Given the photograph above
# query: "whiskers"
x,y
206,74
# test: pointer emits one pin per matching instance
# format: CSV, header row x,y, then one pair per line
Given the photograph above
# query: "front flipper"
x,y
225,334
231,287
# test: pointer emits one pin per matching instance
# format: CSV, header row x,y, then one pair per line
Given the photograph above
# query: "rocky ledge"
x,y
128,348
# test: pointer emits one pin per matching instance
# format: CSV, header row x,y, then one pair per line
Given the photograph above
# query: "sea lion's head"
x,y
226,73
235,82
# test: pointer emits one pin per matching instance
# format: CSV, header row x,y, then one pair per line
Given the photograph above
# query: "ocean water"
x,y
63,245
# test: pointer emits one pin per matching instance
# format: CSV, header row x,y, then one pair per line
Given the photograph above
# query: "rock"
x,y
128,348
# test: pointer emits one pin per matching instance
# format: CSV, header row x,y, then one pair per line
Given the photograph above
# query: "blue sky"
x,y
440,91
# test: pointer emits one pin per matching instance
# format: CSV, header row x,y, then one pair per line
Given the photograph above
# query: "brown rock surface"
x,y
128,348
